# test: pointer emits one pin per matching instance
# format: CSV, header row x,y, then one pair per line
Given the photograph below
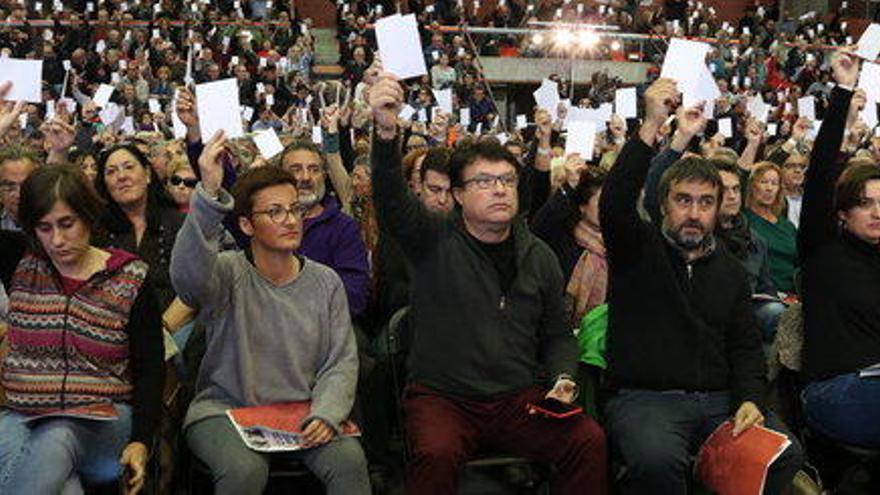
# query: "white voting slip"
x,y
400,46
268,143
219,109
581,139
26,77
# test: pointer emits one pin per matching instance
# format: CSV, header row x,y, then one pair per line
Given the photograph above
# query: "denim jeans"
x,y
767,315
845,408
656,433
238,470
57,455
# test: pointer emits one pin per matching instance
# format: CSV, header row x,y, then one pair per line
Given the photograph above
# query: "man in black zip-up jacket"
x,y
487,317
684,352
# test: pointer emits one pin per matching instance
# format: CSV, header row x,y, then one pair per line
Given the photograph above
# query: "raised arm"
x,y
617,207
398,211
194,269
818,222
690,123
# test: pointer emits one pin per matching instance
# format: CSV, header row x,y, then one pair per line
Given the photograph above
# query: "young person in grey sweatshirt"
x,y
278,330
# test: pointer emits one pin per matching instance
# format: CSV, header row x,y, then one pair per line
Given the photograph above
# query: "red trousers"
x,y
444,432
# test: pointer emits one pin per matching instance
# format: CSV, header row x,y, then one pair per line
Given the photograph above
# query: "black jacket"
x,y
470,338
672,325
841,273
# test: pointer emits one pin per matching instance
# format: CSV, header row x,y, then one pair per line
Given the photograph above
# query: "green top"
x,y
781,239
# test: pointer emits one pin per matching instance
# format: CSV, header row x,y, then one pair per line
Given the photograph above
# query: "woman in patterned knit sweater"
x,y
84,338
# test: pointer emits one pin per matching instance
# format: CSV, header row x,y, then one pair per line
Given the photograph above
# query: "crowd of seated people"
x,y
153,278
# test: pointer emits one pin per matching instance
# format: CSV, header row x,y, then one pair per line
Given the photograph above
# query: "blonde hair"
x,y
177,164
760,169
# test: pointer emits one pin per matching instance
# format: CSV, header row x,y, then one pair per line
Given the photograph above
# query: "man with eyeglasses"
x,y
278,330
489,333
16,164
684,352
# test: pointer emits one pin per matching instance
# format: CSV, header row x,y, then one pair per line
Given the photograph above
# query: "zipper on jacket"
x,y
690,268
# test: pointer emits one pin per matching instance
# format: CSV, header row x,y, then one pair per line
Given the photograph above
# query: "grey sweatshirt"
x,y
265,343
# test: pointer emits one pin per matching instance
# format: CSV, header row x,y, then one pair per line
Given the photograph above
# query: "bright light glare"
x,y
537,39
615,45
564,37
587,38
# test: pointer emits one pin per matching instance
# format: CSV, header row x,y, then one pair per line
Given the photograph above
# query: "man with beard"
x,y
330,236
684,352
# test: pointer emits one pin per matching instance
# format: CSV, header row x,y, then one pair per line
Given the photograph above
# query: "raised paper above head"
x,y
547,97
400,46
103,94
685,62
581,139
868,46
869,80
268,143
444,99
807,107
219,108
625,103
26,77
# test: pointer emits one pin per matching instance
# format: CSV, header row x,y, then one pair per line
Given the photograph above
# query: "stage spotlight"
x,y
587,38
615,45
537,39
564,37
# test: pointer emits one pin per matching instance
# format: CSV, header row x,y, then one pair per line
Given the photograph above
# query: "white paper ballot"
x,y
758,108
444,99
869,44
869,114
521,122
400,46
581,139
547,97
110,114
625,103
219,108
807,107
154,105
869,80
684,62
26,77
247,113
103,94
406,112
268,143
725,127
317,137
464,116
771,129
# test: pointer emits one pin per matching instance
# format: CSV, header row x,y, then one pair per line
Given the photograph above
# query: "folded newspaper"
x,y
277,427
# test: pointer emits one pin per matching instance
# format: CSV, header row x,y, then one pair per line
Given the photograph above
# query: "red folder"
x,y
731,465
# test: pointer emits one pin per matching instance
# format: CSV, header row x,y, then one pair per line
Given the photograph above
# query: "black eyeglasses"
x,y
189,182
278,214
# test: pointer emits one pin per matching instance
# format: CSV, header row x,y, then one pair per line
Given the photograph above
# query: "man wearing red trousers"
x,y
487,317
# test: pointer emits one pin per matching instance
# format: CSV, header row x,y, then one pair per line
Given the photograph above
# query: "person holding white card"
x,y
685,303
838,245
480,271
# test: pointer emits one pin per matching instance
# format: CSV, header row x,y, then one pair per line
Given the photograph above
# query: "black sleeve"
x,y
398,211
618,211
549,223
146,353
346,152
12,245
818,224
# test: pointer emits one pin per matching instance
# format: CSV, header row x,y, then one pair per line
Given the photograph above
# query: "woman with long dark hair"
x,y
83,375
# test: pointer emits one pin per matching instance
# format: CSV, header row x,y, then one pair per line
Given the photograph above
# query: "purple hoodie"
x,y
334,239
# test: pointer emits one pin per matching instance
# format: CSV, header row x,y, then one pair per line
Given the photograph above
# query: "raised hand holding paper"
x,y
218,108
807,107
400,46
581,139
547,96
26,77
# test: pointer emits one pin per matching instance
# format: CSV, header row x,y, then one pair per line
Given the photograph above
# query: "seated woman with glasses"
x,y
279,330
83,375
